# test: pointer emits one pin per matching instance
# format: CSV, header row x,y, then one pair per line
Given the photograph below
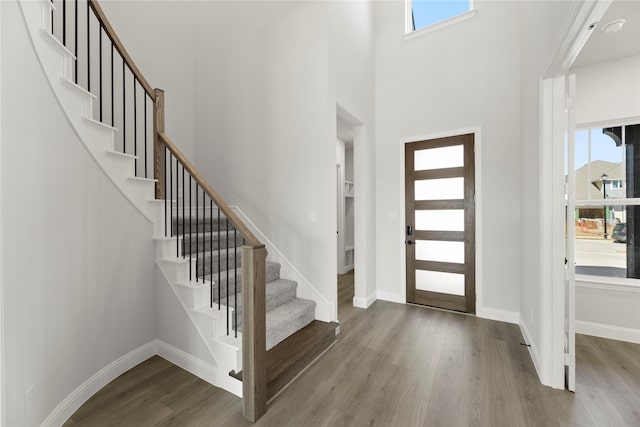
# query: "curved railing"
x,y
125,100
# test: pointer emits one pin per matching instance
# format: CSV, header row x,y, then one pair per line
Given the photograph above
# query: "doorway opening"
x,y
345,213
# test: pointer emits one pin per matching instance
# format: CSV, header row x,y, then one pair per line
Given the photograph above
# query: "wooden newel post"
x,y
254,333
158,146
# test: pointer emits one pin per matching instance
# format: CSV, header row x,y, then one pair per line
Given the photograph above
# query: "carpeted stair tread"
x,y
197,242
277,293
207,261
191,224
272,272
288,318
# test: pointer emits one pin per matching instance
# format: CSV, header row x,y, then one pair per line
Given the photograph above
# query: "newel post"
x,y
158,146
254,334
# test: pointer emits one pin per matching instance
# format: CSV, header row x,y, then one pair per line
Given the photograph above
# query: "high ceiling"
x,y
602,47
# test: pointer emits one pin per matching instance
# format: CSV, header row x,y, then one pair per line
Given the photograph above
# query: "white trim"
x,y
533,350
551,172
325,309
633,201
391,297
498,314
411,34
2,311
477,136
618,333
618,284
188,362
575,35
97,381
627,121
360,302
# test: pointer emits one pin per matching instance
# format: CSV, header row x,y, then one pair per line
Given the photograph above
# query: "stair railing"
x,y
205,228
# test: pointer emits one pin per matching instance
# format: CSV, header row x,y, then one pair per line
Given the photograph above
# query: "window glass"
x,y
429,12
607,223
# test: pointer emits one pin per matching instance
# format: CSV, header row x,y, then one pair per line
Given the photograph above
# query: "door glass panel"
x,y
440,220
435,250
438,281
440,189
439,158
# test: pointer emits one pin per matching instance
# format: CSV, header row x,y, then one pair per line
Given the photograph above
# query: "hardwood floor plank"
x,y
395,365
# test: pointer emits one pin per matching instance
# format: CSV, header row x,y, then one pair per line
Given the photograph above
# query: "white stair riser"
x,y
166,247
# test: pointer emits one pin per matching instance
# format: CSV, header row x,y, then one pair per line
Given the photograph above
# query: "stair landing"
x,y
292,356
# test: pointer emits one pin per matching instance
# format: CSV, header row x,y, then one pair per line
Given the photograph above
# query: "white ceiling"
x,y
603,47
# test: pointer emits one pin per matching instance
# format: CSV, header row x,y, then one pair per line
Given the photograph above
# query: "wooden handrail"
x,y
102,18
250,239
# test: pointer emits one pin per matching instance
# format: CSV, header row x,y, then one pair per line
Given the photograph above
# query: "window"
x,y
425,13
607,198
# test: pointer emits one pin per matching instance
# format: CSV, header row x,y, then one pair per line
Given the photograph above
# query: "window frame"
x,y
607,280
410,33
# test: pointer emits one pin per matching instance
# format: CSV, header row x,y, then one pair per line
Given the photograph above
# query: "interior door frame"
x,y
549,358
477,135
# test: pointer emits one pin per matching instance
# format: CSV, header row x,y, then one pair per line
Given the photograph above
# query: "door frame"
x,y
550,360
477,135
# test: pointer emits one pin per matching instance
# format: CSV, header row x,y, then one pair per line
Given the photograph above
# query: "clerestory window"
x,y
427,13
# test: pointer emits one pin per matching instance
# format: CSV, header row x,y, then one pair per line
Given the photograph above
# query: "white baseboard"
x,y
391,297
618,333
499,315
97,381
362,302
187,362
533,350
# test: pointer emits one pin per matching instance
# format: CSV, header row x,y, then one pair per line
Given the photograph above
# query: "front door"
x,y
440,222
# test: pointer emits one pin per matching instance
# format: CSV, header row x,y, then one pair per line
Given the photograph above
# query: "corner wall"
x,y
159,36
542,23
462,76
78,257
261,125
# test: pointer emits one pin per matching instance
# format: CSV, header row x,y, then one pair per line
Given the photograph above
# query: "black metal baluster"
x,y
170,189
146,175
184,242
88,47
219,274
211,253
235,280
112,109
165,193
177,211
124,110
75,41
197,225
64,22
226,230
190,219
135,130
52,17
100,70
204,243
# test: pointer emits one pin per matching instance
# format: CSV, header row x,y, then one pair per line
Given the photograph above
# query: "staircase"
x,y
215,244
260,334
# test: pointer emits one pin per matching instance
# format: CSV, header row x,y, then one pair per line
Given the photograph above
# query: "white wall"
x,y
261,115
542,23
78,259
159,36
609,311
340,161
351,28
608,91
462,76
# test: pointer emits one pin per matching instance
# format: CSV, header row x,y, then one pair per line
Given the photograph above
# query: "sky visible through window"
x,y
429,12
602,148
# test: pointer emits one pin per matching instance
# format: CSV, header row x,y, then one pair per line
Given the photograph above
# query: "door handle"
x,y
409,230
410,242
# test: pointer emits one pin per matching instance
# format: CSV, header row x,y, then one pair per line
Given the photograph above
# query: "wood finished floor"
x,y
395,365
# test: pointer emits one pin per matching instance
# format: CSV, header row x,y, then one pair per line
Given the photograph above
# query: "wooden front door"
x,y
440,223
